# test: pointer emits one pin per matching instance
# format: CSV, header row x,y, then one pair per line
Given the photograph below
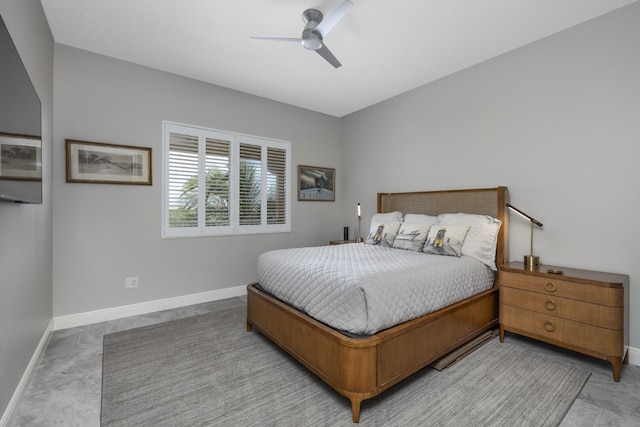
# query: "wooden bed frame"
x,y
360,368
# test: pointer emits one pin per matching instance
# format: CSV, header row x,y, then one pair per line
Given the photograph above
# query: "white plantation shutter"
x,y
276,186
250,185
183,166
218,194
221,183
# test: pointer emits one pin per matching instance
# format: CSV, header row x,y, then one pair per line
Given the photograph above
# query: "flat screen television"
x,y
20,128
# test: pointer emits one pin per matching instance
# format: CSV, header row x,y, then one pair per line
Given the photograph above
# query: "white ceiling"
x,y
386,46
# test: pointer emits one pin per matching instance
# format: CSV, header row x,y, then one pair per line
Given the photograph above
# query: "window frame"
x,y
235,139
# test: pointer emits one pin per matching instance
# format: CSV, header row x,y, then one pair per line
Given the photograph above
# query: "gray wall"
x,y
556,121
104,233
25,230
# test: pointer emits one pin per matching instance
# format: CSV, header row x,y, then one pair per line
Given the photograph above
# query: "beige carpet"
x,y
208,371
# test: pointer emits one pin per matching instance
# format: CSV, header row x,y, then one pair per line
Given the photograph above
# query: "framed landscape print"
x,y
20,157
94,162
316,184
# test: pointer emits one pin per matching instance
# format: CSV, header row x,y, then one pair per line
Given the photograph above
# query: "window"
x,y
221,183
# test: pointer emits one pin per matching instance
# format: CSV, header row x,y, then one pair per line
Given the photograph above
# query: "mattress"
x,y
363,289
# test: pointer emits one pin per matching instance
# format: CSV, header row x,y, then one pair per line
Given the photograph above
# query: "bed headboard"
x,y
482,201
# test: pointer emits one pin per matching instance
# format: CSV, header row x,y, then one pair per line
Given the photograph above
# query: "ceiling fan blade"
x,y
274,39
333,18
326,54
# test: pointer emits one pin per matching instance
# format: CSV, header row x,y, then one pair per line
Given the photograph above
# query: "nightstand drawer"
x,y
557,330
580,311
610,296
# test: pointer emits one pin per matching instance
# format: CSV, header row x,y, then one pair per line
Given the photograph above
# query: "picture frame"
x,y
101,163
316,184
20,157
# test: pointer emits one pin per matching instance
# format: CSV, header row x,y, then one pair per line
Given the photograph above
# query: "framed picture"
x,y
316,184
94,162
20,157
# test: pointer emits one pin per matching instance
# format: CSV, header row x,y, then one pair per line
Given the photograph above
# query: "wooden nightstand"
x,y
584,311
341,242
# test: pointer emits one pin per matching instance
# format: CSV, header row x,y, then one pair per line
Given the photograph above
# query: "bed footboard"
x,y
360,368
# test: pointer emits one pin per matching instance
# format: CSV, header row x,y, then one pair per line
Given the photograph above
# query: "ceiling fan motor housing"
x,y
311,39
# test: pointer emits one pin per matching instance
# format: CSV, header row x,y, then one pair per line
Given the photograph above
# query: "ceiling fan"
x,y
315,30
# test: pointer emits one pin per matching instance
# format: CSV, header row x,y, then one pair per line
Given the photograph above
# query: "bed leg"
x,y
249,327
355,409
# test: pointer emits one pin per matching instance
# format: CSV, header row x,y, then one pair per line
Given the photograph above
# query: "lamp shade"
x,y
524,215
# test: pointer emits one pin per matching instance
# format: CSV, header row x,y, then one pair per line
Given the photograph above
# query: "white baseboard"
x,y
634,356
82,319
27,375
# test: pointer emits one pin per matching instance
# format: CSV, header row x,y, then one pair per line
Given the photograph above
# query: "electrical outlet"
x,y
130,282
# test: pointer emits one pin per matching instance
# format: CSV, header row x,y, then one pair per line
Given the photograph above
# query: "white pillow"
x,y
382,233
386,217
446,239
412,236
420,219
481,241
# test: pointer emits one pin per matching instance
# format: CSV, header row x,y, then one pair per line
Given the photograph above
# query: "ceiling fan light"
x,y
312,43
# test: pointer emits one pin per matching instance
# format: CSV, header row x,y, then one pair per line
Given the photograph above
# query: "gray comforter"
x,y
363,289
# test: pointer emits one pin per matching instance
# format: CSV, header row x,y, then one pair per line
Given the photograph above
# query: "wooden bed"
x,y
360,368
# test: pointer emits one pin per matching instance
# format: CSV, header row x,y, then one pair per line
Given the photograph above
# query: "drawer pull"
x,y
550,305
549,327
550,287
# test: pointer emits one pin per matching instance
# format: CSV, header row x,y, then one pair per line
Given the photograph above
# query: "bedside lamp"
x,y
531,262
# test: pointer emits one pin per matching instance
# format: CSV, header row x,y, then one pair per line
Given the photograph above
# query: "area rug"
x,y
207,370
